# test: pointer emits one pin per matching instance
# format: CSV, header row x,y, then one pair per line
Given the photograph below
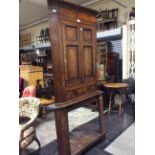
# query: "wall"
x,y
109,4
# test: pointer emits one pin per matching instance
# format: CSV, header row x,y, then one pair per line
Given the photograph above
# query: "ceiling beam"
x,y
35,23
124,6
90,2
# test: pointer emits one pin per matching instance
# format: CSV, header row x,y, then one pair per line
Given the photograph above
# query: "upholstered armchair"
x,y
28,112
29,91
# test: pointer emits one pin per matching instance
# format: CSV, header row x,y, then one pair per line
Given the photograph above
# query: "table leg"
x,y
120,109
61,120
110,102
100,109
120,106
44,111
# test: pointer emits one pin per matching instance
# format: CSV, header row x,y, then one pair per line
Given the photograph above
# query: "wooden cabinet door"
x,y
113,66
71,52
88,56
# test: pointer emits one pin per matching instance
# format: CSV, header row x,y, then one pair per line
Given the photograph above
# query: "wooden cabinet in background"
x,y
113,68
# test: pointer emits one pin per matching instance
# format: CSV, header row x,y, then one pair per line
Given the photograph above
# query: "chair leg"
x,y
110,102
36,139
120,109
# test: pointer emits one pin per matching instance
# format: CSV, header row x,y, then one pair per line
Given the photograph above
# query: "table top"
x,y
46,101
115,85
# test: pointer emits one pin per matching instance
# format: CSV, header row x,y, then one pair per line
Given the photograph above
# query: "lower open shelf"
x,y
81,140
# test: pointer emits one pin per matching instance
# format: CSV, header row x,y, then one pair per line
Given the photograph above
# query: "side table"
x,y
115,86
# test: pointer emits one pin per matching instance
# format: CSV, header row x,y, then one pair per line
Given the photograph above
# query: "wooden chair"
x,y
28,112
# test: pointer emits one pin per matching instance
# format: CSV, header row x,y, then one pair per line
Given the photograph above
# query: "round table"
x,y
115,86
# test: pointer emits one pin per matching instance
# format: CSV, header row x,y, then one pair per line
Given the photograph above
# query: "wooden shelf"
x,y
81,140
34,47
47,74
45,45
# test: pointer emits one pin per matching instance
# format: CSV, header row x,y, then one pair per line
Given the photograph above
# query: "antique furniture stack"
x,y
73,50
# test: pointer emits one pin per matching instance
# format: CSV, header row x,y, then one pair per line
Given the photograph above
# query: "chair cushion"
x,y
29,107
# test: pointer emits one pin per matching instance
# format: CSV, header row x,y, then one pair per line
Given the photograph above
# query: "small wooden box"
x,y
31,74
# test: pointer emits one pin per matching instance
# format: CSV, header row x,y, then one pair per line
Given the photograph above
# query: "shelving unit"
x,y
107,19
35,47
39,55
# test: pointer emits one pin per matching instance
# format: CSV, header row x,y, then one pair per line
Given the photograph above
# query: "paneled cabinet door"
x,y
71,52
87,45
78,53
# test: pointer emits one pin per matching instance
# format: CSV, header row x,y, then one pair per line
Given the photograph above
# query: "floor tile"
x,y
124,144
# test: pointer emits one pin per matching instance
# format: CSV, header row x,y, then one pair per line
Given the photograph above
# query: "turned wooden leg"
x,y
62,128
120,109
110,102
101,117
44,111
121,105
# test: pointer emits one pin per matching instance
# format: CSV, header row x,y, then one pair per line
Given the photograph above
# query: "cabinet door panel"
x,y
71,33
70,52
87,35
88,61
88,52
72,63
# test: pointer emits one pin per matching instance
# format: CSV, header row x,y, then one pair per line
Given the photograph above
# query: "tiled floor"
x,y
114,125
124,144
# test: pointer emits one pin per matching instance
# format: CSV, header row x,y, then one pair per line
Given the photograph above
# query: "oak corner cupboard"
x,y
73,39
